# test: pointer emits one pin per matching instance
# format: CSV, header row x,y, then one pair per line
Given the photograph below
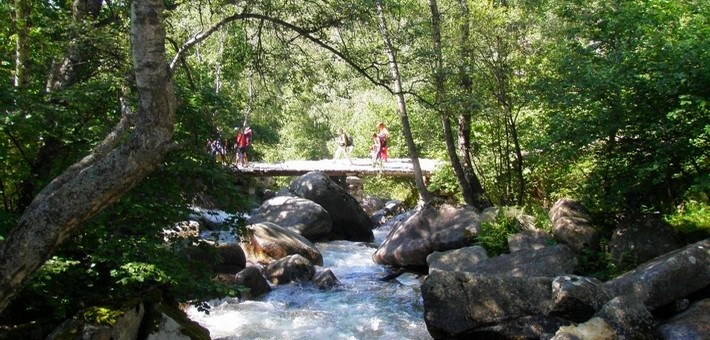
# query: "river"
x,y
361,307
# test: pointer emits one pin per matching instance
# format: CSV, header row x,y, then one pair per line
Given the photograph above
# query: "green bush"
x,y
495,231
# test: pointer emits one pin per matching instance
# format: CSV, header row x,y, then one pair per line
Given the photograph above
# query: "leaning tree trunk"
x,y
401,104
109,171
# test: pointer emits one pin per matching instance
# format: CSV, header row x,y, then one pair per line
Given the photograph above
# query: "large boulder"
x,y
293,268
638,239
430,229
302,216
549,262
458,304
231,258
529,240
628,318
123,324
267,242
371,204
571,224
667,278
252,279
578,298
694,323
350,222
462,259
161,318
623,317
227,258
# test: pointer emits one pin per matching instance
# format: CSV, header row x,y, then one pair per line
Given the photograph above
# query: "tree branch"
x,y
306,33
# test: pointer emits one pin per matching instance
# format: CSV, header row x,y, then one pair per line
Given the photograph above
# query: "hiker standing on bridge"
x,y
383,134
345,146
243,141
375,150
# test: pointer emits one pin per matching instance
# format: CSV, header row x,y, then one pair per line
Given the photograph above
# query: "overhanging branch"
x,y
306,33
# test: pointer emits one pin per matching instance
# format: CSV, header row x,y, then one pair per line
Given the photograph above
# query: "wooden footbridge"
x,y
342,167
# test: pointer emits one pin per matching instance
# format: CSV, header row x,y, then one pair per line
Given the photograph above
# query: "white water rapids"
x,y
361,307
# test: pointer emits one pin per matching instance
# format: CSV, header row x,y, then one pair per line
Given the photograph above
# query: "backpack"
x,y
348,141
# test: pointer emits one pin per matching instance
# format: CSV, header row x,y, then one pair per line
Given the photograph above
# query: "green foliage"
x,y
693,214
399,188
608,98
496,230
597,264
101,315
444,184
627,84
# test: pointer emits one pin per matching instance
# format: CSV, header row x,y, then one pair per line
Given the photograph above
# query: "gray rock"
x,y
428,230
639,239
667,278
457,303
226,258
293,268
692,324
325,279
549,262
378,218
231,258
526,327
578,298
170,329
267,242
302,216
571,224
529,240
371,204
628,318
251,278
594,328
463,259
393,207
126,326
350,222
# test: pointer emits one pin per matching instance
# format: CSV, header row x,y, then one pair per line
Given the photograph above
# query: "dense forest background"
x,y
602,101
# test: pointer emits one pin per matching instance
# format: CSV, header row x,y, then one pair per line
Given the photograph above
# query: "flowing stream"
x,y
361,307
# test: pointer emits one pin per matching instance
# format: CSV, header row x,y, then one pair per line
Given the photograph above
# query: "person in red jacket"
x,y
383,134
243,141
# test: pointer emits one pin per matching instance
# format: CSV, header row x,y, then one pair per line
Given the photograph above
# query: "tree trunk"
x,y
109,171
464,119
22,46
443,108
402,107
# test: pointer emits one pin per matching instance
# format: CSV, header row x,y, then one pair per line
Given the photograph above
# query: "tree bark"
x,y
478,195
444,109
109,171
424,194
22,46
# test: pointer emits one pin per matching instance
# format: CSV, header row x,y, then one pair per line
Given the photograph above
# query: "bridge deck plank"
x,y
360,167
